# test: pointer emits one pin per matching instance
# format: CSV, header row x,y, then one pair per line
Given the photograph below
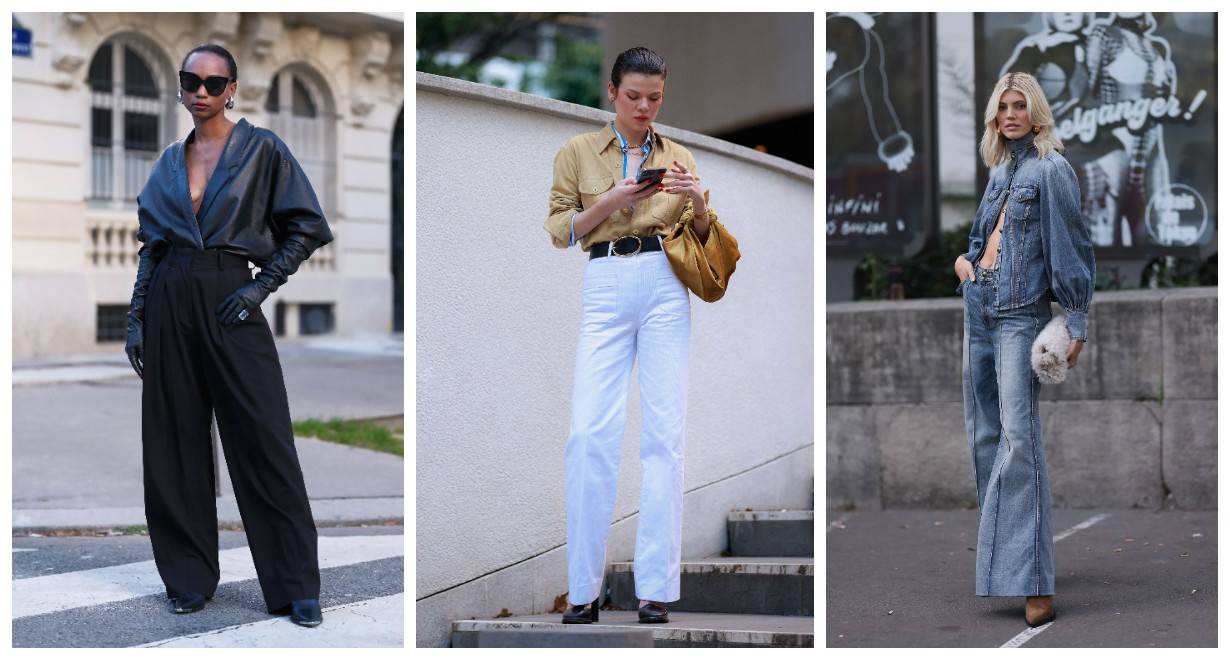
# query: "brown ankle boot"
x,y
1039,610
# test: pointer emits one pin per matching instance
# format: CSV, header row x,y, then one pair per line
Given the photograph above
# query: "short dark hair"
x,y
637,60
216,50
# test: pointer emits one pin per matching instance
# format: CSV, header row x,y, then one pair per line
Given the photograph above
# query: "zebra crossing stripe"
x,y
99,586
375,623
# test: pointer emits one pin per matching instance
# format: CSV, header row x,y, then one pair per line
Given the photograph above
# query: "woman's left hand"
x,y
678,180
1074,350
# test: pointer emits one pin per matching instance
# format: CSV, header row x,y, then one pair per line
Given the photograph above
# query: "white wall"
x,y
498,310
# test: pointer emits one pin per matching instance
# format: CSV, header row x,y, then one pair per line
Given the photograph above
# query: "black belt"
x,y
211,258
625,246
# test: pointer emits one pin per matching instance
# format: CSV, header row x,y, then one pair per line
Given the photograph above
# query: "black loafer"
x,y
189,602
306,612
582,613
653,612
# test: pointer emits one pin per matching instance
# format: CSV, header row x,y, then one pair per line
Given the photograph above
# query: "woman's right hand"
x,y
135,345
624,193
963,268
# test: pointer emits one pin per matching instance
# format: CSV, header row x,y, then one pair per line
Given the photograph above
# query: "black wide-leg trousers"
x,y
194,366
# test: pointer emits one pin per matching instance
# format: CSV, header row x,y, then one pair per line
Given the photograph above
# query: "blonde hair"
x,y
994,146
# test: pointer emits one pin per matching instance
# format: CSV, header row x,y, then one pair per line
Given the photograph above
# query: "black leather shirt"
x,y
258,204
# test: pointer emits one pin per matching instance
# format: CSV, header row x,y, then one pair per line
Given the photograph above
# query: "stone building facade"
x,y
93,107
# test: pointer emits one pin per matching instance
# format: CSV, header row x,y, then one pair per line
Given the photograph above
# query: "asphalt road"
x,y
1132,578
236,616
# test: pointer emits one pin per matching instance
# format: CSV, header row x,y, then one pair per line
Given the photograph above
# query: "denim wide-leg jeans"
x,y
1004,430
633,308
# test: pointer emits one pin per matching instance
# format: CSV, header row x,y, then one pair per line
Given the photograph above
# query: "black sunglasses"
x,y
215,85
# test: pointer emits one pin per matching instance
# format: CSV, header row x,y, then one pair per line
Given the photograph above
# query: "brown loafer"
x,y
1039,610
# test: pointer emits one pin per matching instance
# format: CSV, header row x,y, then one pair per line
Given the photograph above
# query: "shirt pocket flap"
x,y
595,185
1024,193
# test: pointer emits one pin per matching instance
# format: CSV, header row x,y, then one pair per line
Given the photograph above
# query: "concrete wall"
x,y
56,287
498,311
1134,425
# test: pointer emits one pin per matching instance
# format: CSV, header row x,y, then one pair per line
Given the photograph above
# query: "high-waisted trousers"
x,y
633,308
1014,554
195,367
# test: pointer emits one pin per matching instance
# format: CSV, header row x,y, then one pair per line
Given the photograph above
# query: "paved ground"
x,y
106,592
1123,579
77,443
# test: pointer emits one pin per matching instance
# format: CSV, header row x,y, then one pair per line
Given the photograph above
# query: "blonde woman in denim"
x,y
1029,245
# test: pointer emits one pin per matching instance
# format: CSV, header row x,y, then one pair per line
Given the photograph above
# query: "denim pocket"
x,y
1024,199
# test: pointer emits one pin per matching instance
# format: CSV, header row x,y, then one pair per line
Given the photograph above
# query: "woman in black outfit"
x,y
227,194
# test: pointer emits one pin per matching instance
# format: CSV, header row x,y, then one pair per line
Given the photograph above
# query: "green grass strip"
x,y
360,433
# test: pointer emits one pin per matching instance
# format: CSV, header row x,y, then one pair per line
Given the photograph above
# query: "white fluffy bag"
x,y
1049,356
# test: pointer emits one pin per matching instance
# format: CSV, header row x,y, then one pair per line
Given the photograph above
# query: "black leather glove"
x,y
284,262
135,346
246,298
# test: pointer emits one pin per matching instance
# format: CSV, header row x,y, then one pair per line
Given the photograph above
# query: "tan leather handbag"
x,y
705,268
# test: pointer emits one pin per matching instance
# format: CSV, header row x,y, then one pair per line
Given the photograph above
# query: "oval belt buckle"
x,y
625,254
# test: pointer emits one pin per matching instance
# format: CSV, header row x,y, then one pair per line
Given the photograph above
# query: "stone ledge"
x,y
531,102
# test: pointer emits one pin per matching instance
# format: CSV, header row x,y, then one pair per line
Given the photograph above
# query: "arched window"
x,y
300,112
130,116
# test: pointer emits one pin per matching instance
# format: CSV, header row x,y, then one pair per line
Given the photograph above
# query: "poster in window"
x,y
1134,100
880,160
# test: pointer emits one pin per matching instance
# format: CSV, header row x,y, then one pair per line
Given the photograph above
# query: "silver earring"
x,y
179,95
230,103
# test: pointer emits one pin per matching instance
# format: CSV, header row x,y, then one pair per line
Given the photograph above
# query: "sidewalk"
x,y
77,435
1123,578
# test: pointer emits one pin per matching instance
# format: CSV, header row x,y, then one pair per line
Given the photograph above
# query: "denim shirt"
x,y
1046,245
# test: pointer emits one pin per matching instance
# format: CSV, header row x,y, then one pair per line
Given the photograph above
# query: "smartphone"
x,y
653,176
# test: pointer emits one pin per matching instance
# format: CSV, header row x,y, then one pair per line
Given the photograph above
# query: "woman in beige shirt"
x,y
634,309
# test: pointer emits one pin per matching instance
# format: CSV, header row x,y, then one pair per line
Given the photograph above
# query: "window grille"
x,y
112,323
296,108
129,117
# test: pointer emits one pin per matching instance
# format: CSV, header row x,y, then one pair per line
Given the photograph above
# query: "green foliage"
x,y
1167,272
491,34
928,274
576,74
361,433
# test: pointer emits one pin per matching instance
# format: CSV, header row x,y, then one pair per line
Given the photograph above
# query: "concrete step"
x,y
685,629
771,533
735,585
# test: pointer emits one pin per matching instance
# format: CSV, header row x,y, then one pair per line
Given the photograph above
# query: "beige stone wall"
x,y
357,64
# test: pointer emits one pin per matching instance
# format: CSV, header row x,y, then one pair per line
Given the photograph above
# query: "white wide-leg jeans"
x,y
633,308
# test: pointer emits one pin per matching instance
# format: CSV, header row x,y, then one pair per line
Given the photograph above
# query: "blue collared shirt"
x,y
646,148
1046,242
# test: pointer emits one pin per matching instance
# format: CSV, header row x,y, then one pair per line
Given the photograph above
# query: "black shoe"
x,y
653,612
306,612
189,602
582,613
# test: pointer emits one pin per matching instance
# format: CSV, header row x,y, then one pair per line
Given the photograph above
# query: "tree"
x,y
492,34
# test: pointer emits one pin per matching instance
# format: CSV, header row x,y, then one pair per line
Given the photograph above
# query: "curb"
x,y
326,512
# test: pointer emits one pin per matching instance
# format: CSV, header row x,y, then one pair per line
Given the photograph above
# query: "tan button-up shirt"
x,y
590,164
